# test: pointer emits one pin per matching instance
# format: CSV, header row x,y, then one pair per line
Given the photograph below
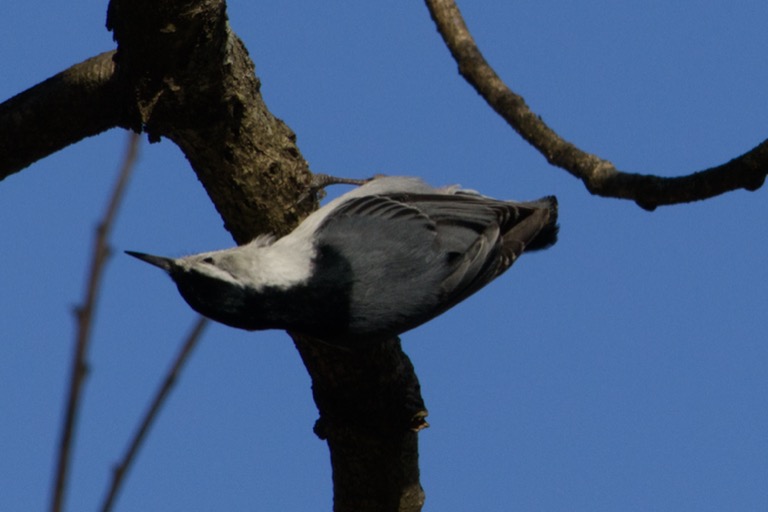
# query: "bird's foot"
x,y
319,181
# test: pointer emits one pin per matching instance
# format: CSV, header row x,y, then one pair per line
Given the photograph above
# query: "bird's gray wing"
x,y
417,255
392,259
469,232
482,237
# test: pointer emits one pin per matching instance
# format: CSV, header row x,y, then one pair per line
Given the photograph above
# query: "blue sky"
x,y
623,369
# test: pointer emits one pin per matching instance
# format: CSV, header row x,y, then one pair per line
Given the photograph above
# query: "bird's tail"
x,y
547,234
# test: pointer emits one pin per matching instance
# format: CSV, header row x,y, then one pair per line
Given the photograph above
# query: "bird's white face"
x,y
255,266
224,266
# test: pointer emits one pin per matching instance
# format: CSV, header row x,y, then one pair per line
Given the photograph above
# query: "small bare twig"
x,y
600,176
121,469
84,316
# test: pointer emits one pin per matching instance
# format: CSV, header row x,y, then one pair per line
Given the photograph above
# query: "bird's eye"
x,y
208,260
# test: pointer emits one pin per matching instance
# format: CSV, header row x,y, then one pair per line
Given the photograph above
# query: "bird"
x,y
370,265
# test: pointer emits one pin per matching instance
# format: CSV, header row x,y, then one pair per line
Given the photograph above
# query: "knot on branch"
x,y
372,389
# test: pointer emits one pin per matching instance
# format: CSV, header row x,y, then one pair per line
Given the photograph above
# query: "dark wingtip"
x,y
158,261
548,234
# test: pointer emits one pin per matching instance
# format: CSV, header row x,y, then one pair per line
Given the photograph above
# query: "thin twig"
x,y
84,317
121,469
600,176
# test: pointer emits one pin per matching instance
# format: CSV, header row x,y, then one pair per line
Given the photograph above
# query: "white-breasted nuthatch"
x,y
371,264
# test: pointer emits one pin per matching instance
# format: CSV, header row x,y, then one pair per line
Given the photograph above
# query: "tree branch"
x,y
194,83
600,176
121,469
81,101
370,413
84,315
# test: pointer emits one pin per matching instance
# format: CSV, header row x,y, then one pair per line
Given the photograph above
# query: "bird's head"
x,y
211,283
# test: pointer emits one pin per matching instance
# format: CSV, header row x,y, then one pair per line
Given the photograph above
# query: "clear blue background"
x,y
622,370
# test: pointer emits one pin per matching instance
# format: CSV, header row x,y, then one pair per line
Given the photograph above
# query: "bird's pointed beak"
x,y
164,263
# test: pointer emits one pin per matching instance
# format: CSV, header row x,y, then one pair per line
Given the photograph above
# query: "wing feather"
x,y
415,255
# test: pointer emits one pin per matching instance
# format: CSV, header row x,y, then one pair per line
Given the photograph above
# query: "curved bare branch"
x,y
600,176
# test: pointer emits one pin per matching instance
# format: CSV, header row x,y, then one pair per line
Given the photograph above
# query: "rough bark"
x,y
76,103
370,403
192,81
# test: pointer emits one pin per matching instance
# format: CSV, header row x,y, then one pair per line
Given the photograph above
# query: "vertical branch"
x,y
371,411
120,470
84,317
